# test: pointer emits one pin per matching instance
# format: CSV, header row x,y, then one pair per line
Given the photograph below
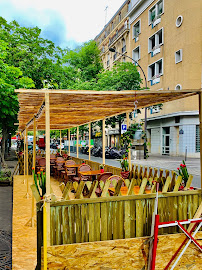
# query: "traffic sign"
x,y
123,128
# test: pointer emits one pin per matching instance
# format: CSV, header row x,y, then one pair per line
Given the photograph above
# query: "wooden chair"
x,y
114,179
83,168
59,162
68,172
103,177
52,162
37,159
41,164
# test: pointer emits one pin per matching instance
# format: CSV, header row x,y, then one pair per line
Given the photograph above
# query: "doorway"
x,y
166,141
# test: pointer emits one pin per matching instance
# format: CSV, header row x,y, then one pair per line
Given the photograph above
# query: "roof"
x,y
71,108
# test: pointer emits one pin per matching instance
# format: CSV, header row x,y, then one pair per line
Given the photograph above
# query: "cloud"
x,y
65,22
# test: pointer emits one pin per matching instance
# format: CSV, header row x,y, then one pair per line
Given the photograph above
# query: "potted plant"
x,y
182,171
125,167
5,178
40,182
101,168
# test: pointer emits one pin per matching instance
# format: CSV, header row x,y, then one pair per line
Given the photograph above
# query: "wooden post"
x,y
89,132
34,164
47,117
69,139
27,163
103,141
60,143
129,153
24,157
77,142
200,126
45,235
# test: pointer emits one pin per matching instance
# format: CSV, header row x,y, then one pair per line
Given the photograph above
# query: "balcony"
x,y
155,50
119,33
155,79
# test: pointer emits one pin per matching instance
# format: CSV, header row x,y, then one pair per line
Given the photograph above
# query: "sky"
x,y
67,23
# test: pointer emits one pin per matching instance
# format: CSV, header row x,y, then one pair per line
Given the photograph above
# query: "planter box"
x,y
5,183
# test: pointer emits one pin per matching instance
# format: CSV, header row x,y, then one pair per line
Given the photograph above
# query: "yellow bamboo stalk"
x,y
45,236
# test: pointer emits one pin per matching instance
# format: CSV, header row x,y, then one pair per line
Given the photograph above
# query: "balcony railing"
x,y
120,32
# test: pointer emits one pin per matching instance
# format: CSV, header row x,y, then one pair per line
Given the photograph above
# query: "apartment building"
x,y
165,38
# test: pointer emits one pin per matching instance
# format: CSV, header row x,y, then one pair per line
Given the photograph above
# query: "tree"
x,y
37,58
85,61
10,79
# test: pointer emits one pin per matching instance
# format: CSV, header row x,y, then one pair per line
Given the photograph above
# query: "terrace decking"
x,y
24,243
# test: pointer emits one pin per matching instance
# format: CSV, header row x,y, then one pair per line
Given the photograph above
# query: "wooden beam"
x,y
103,141
89,132
47,115
129,153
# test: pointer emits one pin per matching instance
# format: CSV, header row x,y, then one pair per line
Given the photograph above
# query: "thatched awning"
x,y
71,108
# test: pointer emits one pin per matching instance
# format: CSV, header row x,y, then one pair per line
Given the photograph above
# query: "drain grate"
x,y
5,251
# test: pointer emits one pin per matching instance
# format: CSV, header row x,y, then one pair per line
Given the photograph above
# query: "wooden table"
x,y
94,173
124,190
72,166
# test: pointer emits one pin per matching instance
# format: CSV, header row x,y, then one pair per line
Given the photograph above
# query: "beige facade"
x,y
165,38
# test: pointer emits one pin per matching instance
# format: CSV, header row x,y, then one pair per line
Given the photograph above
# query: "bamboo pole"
x,y
45,235
129,153
200,126
27,163
24,158
34,164
69,139
60,143
89,132
103,141
77,142
47,117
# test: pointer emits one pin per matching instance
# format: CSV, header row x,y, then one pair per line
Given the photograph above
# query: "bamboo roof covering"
x,y
71,108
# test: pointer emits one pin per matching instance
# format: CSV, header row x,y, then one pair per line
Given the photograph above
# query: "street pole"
x,y
145,123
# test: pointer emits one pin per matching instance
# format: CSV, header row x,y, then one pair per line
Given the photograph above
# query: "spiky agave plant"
x,y
40,182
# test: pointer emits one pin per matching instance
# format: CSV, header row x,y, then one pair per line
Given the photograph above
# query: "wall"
x,y
121,254
155,141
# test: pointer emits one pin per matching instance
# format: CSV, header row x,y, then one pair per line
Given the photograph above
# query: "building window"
x,y
178,56
197,139
136,54
123,45
119,16
155,70
112,25
179,21
136,29
155,12
108,58
178,87
155,42
124,60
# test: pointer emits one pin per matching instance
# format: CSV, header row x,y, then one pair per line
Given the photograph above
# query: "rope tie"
x,y
47,198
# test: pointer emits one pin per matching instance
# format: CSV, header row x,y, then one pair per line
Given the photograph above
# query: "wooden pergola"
x,y
64,109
